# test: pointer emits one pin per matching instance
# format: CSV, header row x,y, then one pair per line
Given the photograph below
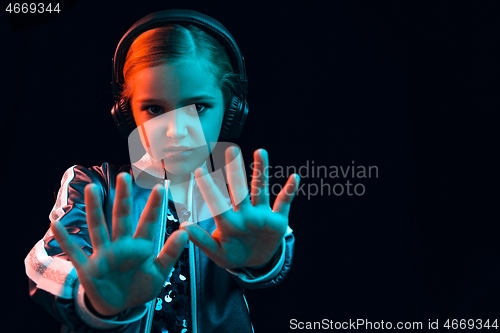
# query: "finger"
x,y
213,196
260,176
238,187
171,251
201,238
151,213
122,221
96,222
286,195
68,245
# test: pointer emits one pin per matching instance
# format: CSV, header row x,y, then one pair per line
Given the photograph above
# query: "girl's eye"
x,y
200,108
154,109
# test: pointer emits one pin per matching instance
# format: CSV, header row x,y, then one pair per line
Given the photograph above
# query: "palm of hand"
x,y
123,272
250,234
111,274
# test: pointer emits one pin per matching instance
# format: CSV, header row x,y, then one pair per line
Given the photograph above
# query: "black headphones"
x,y
235,114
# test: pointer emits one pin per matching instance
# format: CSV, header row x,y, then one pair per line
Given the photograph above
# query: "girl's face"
x,y
178,105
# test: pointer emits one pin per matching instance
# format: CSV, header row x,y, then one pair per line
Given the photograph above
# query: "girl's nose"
x,y
177,127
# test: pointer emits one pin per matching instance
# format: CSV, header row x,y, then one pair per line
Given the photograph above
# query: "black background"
x,y
410,87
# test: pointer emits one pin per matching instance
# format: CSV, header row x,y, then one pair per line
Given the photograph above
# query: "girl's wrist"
x,y
267,266
92,310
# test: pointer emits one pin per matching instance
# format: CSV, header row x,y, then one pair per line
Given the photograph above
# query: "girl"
x,y
104,265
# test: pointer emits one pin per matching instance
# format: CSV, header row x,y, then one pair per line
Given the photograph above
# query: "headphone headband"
x,y
180,16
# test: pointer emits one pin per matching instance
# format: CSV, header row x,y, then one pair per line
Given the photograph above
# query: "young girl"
x,y
103,265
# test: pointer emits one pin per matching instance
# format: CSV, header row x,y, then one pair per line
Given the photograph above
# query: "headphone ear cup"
x,y
234,119
123,118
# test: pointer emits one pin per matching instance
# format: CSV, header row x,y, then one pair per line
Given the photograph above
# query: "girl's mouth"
x,y
178,152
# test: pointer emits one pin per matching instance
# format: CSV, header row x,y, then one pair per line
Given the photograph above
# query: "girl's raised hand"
x,y
250,233
122,272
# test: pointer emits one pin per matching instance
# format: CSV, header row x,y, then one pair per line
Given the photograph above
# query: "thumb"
x,y
201,238
171,251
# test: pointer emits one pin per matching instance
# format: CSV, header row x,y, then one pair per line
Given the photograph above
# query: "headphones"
x,y
236,112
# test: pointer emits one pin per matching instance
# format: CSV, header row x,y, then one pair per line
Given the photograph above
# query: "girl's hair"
x,y
173,43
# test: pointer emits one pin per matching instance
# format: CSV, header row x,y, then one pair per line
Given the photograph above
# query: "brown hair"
x,y
173,43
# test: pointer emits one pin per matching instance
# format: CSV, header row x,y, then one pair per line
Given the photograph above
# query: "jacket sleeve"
x,y
52,278
275,273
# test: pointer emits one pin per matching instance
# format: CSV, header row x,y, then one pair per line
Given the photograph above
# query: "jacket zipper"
x,y
192,264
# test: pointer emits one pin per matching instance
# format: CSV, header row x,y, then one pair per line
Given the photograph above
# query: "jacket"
x,y
218,302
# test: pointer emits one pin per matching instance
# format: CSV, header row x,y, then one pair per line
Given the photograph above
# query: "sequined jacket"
x,y
218,303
